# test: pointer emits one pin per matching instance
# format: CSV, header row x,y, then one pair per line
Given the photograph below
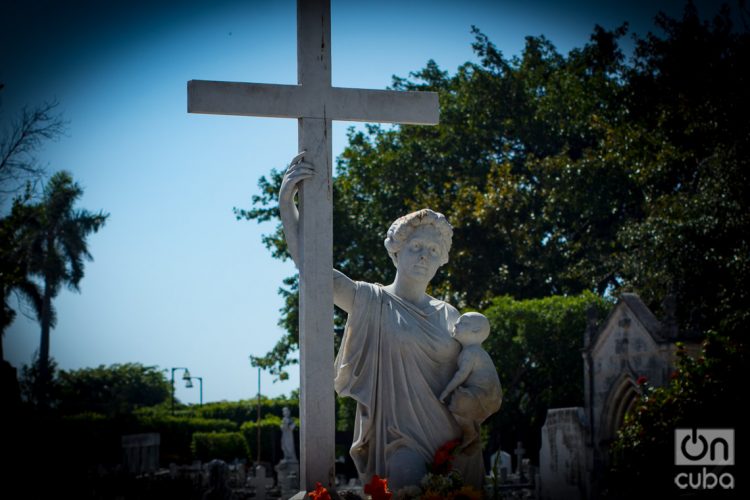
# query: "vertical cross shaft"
x,y
314,103
317,403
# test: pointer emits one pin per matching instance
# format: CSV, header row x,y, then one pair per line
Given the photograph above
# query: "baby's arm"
x,y
465,365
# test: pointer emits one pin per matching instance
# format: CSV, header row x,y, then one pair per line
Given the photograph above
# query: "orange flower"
x,y
378,489
320,493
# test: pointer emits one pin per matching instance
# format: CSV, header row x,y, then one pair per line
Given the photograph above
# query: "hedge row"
x,y
226,446
245,410
183,439
177,433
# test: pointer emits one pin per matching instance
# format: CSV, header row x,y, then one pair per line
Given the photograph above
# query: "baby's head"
x,y
471,329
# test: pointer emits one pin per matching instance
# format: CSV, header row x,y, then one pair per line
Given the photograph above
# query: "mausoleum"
x,y
630,347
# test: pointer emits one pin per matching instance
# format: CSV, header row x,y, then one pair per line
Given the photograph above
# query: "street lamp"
x,y
185,376
189,384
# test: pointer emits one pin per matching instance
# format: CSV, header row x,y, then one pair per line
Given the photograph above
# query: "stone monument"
x,y
314,102
287,436
141,452
631,344
260,482
398,356
287,470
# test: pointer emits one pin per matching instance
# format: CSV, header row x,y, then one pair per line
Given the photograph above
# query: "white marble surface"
x,y
314,102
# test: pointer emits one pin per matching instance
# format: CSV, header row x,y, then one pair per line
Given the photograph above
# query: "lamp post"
x,y
257,427
189,384
185,376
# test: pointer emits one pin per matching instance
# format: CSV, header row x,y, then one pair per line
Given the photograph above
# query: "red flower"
x,y
320,493
641,380
378,489
442,463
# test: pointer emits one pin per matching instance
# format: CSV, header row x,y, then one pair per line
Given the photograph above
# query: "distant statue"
x,y
397,354
287,436
475,388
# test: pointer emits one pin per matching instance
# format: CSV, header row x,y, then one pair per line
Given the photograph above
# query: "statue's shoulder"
x,y
451,312
365,293
370,287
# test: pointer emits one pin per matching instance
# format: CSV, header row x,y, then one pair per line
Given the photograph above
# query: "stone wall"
x,y
563,456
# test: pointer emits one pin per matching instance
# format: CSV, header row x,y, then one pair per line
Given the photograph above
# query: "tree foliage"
x,y
563,173
49,247
536,345
227,446
112,390
16,274
704,392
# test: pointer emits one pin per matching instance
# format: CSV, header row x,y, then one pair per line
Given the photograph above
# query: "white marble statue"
x,y
397,353
287,436
474,390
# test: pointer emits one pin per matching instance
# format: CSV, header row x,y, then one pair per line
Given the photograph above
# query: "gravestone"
x,y
314,102
260,482
218,489
519,452
562,458
287,475
502,462
141,452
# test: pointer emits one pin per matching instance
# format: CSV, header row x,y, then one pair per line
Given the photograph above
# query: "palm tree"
x,y
16,232
58,250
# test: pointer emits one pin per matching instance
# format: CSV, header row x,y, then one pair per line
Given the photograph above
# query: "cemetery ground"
x,y
145,452
110,432
96,441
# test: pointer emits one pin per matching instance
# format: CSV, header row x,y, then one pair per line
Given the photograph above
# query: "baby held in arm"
x,y
474,390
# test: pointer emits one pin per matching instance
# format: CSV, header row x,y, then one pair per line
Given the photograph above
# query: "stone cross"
x,y
314,103
260,482
519,452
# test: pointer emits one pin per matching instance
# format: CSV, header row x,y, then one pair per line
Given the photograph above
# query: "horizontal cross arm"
x,y
387,106
297,101
245,99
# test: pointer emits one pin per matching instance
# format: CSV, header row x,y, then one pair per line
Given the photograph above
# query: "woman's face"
x,y
421,255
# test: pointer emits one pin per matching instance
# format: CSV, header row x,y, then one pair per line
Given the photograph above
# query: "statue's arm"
x,y
343,291
298,171
466,364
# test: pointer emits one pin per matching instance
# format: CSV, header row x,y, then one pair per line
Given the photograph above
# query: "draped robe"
x,y
394,360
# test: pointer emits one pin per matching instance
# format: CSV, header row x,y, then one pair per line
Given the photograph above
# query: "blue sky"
x,y
176,280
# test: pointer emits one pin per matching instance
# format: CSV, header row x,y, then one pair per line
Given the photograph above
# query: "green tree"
x,y
35,390
20,171
704,392
563,173
15,273
536,346
483,167
111,390
57,249
689,156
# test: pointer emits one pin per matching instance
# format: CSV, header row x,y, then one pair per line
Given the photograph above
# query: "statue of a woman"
x,y
397,354
287,436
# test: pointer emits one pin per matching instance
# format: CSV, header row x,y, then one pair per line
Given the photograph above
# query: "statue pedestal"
x,y
287,472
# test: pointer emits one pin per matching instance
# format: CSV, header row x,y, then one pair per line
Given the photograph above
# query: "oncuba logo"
x,y
704,447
